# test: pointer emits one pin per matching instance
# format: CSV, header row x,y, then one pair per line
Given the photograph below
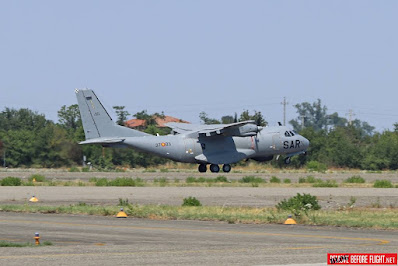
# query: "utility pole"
x,y
302,121
350,116
284,103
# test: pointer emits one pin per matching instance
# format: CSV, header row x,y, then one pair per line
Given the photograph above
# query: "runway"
x,y
97,240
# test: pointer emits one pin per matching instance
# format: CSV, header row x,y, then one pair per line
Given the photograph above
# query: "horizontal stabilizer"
x,y
103,141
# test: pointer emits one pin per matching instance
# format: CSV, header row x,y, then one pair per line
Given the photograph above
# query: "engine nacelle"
x,y
248,130
263,159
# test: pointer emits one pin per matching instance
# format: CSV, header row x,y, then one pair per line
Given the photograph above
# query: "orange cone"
x,y
290,220
34,199
121,214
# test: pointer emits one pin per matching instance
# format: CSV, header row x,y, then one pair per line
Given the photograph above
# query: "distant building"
x,y
159,120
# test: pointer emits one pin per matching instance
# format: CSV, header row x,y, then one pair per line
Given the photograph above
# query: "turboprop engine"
x,y
247,130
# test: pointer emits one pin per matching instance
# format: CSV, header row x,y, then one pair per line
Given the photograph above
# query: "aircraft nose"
x,y
306,143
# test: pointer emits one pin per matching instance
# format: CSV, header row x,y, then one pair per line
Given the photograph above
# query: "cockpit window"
x,y
287,134
292,133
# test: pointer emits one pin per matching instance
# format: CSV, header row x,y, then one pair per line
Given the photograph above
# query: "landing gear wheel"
x,y
226,168
287,160
202,168
214,168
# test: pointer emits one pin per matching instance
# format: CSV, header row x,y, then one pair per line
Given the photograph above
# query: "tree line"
x,y
28,139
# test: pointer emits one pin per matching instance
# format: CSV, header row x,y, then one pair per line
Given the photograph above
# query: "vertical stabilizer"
x,y
96,121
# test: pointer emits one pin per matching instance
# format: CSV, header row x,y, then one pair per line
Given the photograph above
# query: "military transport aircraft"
x,y
202,144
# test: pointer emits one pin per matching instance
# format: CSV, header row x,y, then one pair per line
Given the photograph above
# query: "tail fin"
x,y
96,121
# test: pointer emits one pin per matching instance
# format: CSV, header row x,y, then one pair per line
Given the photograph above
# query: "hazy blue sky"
x,y
184,57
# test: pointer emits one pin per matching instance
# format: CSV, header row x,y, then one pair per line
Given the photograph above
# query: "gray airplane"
x,y
202,144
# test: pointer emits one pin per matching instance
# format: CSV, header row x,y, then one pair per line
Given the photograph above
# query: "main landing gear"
x,y
287,160
214,168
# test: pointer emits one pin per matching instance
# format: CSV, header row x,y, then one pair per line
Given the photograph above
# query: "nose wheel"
x,y
287,160
214,168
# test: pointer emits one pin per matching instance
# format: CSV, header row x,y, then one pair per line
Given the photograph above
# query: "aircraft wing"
x,y
244,128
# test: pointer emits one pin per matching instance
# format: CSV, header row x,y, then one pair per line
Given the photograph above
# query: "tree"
x,y
206,120
257,117
313,115
149,119
121,114
69,117
227,119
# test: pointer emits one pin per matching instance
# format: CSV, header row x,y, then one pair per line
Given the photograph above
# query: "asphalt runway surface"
x,y
329,198
97,240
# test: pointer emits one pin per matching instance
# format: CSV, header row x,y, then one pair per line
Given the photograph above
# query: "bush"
x,y
309,179
287,181
383,184
274,179
328,183
11,181
251,179
316,166
123,202
221,178
190,179
85,169
191,201
101,182
122,182
299,203
355,179
38,178
74,169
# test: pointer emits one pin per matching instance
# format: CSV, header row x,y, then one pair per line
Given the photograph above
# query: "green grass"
x,y
380,218
251,179
7,244
355,179
117,182
11,181
274,179
37,178
383,184
309,179
74,169
327,183
218,179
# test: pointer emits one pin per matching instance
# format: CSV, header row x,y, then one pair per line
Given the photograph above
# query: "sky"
x,y
185,57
